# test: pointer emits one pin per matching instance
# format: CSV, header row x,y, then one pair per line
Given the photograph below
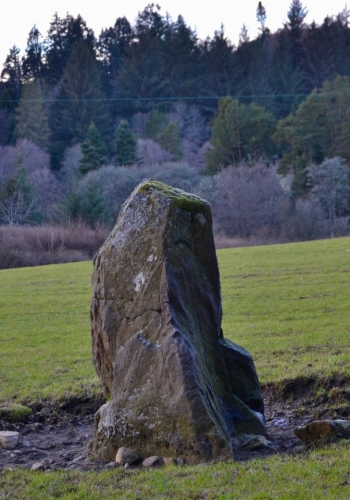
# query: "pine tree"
x,y
286,81
243,35
32,63
181,59
319,129
295,26
261,17
111,48
94,151
143,71
32,115
63,35
12,75
239,133
219,68
79,103
125,145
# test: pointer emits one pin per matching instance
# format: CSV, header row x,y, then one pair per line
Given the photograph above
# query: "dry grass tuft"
x,y
23,246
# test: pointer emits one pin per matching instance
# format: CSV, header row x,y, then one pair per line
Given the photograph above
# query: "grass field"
x,y
287,304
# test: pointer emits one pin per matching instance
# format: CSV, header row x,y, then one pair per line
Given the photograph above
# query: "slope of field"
x,y
287,304
45,347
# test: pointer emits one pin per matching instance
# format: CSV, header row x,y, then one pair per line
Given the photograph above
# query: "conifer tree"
x,y
295,26
93,150
243,35
32,63
111,47
32,115
63,35
261,17
239,133
125,145
12,75
79,103
319,129
220,70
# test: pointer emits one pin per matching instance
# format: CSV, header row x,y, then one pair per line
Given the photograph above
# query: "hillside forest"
x,y
261,130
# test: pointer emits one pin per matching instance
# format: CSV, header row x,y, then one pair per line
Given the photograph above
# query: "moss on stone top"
x,y
185,201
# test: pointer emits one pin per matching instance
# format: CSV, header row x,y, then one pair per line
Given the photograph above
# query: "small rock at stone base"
x,y
112,465
323,428
168,461
127,456
180,461
37,466
152,461
9,439
255,442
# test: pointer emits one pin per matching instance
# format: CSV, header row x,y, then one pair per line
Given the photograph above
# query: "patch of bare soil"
x,y
58,438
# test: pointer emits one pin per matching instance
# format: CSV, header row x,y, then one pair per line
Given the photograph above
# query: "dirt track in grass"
x,y
59,437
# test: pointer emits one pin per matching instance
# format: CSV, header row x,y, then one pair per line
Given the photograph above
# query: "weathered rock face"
x,y
175,384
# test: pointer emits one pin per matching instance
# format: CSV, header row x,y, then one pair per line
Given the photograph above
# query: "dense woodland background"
x,y
261,130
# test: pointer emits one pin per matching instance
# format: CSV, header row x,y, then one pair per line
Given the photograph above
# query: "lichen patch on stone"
x,y
139,281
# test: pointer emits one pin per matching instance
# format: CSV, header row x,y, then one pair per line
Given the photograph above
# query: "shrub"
x,y
28,189
33,246
249,200
304,221
149,152
99,196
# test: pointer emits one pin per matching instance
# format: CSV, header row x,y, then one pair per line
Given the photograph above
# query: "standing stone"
x,y
175,385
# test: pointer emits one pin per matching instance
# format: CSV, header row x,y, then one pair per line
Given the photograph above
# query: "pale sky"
x,y
19,16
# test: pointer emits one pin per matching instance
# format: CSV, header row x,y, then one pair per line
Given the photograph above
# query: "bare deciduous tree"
x,y
69,172
151,153
330,187
28,189
15,210
249,200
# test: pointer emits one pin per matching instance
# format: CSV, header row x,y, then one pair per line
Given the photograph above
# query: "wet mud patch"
x,y
58,437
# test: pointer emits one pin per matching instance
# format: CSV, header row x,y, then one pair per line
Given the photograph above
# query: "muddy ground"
x,y
58,438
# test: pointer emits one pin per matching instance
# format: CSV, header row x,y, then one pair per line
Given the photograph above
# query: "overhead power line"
x,y
177,98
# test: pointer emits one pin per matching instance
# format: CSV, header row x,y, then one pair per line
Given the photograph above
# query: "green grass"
x,y
287,304
317,475
45,345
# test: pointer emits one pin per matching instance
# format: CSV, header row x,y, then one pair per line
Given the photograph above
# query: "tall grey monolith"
x,y
175,385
